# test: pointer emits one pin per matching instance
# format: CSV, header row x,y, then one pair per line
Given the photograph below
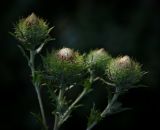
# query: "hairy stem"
x,y
56,120
37,89
106,110
68,111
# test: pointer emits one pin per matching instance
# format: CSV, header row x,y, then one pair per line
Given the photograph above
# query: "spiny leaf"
x,y
23,52
95,115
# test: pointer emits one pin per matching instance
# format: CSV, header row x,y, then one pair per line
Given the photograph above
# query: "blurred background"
x,y
122,27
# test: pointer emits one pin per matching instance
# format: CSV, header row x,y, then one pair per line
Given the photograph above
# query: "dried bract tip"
x,y
32,20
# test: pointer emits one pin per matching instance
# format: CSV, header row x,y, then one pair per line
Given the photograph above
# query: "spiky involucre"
x,y
32,31
64,70
124,71
97,60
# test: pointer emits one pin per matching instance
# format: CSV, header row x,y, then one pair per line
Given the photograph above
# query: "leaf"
x,y
37,118
12,34
120,110
95,116
23,52
87,85
70,87
117,108
138,86
49,30
38,50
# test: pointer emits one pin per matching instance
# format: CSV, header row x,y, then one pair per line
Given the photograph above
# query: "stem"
x,y
56,123
32,67
75,102
68,111
57,119
92,125
106,110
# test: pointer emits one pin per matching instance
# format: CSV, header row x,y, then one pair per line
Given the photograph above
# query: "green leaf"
x,y
23,52
87,84
38,118
95,116
117,108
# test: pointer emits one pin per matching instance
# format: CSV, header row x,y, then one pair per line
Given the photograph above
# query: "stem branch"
x,y
36,86
106,110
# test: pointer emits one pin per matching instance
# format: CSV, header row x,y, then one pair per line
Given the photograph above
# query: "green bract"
x,y
65,66
124,71
97,60
32,31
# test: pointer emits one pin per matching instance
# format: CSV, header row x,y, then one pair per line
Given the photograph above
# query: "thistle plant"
x,y
33,34
66,68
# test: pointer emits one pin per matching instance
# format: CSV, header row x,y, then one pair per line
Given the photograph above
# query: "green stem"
x,y
106,110
68,111
57,119
37,89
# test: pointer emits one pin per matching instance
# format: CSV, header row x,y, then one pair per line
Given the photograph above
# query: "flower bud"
x,y
32,32
97,60
31,20
124,71
65,64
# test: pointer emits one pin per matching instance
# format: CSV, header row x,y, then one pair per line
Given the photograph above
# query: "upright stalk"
x,y
37,89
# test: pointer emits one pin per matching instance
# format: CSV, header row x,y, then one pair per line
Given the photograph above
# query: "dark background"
x,y
121,27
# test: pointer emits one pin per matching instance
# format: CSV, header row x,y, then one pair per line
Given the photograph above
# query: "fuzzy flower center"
x,y
66,54
124,62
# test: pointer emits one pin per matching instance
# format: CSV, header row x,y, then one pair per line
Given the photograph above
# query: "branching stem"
x,y
37,87
106,110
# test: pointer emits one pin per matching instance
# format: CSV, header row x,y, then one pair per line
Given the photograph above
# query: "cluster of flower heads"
x,y
70,66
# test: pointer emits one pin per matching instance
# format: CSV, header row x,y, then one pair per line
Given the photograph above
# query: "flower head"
x,y
124,71
65,65
32,31
97,60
